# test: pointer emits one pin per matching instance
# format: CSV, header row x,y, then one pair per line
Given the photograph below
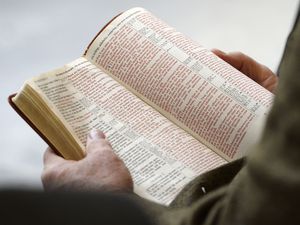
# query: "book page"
x,y
161,157
184,81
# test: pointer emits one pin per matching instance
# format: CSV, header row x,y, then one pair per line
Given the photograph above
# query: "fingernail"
x,y
96,134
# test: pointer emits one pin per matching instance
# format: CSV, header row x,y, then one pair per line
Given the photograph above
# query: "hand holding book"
x,y
170,108
103,170
248,66
100,170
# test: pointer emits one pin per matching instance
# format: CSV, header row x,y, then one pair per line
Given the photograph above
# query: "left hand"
x,y
100,170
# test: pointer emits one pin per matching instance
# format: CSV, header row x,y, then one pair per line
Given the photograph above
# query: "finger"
x,y
218,52
251,68
236,59
245,64
50,157
96,141
96,134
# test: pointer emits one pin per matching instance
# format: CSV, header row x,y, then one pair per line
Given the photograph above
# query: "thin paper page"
x,y
184,81
161,157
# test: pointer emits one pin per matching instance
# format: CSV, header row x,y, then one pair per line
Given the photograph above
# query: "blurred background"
x,y
38,36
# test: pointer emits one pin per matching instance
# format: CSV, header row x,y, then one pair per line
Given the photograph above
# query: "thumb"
x,y
95,140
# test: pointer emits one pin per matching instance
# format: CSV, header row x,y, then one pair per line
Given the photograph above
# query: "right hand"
x,y
248,66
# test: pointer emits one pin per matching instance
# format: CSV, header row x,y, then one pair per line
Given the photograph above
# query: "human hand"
x,y
100,170
248,66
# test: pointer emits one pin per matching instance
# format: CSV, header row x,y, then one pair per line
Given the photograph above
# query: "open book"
x,y
170,108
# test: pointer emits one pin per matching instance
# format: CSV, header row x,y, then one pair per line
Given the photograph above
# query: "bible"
x,y
170,108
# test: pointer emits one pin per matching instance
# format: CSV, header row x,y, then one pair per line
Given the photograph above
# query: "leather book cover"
x,y
100,33
27,120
